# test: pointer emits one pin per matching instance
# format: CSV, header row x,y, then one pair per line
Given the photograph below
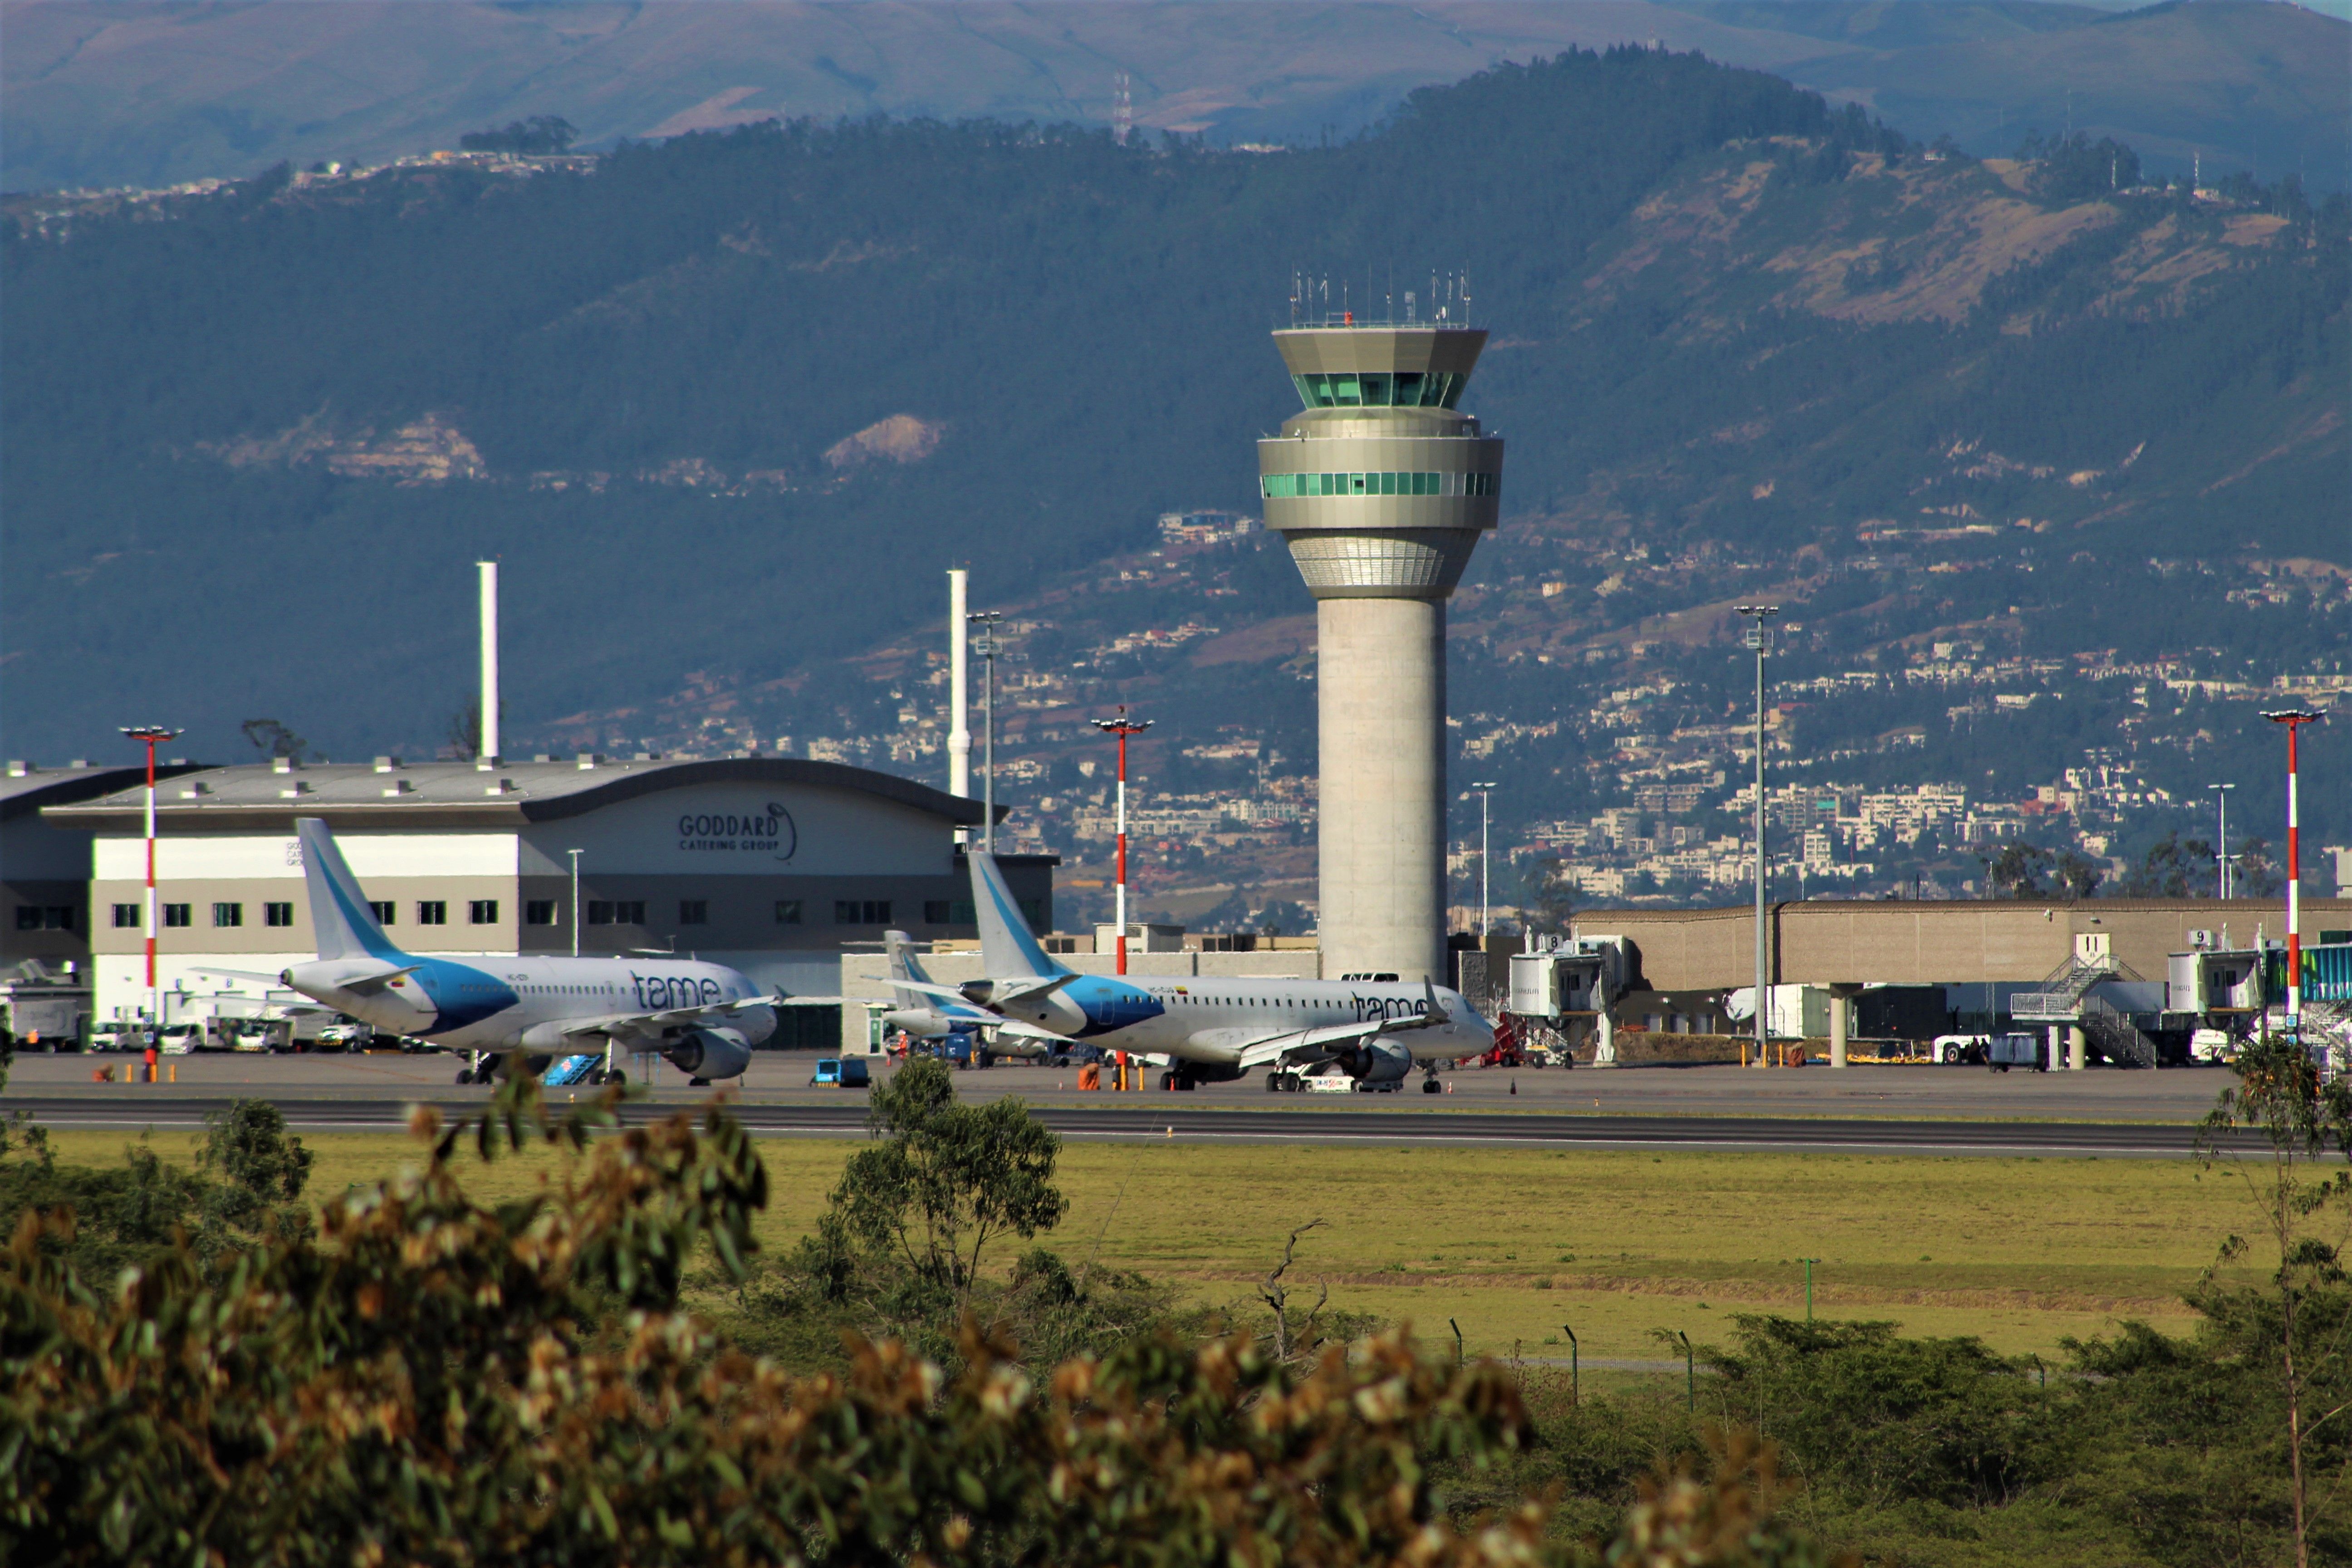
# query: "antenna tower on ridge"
x,y
1122,109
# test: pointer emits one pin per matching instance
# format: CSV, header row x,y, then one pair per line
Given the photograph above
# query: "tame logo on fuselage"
x,y
766,831
1384,1009
662,992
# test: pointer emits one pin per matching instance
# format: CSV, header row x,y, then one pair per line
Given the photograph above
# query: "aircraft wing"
x,y
676,1017
276,980
946,992
1000,991
1297,1046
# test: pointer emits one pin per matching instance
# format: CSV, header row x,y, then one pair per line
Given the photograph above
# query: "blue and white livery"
x,y
704,1018
1211,1031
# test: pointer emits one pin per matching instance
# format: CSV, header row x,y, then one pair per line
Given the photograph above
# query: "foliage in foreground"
x,y
432,1380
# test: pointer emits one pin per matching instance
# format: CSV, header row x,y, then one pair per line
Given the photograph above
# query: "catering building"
x,y
771,865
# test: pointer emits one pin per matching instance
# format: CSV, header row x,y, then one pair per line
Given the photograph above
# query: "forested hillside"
x,y
727,404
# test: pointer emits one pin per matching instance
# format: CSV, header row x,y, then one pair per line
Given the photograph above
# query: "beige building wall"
x,y
1933,943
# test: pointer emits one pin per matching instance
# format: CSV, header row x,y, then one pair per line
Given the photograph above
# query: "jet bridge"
x,y
1567,987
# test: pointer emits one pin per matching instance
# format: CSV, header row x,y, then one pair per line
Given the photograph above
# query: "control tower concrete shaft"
x,y
1382,488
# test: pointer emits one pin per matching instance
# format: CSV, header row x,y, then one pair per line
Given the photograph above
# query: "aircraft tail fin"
x,y
1007,947
905,966
342,921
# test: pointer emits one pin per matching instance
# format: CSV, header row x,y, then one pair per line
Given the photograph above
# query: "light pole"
x,y
1760,626
2294,719
1122,727
575,900
985,646
1483,787
152,734
2222,839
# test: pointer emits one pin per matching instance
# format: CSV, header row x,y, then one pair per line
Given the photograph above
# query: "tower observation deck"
x,y
1380,487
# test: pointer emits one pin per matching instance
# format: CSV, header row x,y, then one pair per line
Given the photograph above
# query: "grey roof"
x,y
38,787
462,795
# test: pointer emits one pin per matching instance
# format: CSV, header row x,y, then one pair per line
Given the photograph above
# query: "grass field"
x,y
1512,1244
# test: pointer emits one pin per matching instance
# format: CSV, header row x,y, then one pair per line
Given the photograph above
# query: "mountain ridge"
x,y
153,92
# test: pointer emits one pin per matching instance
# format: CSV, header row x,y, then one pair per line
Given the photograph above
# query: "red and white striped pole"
x,y
2294,719
1122,727
152,733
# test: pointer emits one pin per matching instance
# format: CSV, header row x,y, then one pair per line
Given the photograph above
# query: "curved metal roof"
x,y
462,795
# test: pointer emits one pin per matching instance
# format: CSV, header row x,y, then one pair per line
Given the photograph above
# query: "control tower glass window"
x,y
1276,486
1404,389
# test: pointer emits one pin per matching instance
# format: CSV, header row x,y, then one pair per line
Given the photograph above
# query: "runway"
x,y
1921,1110
1347,1121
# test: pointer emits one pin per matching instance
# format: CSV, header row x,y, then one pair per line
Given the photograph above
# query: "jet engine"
x,y
706,1054
1378,1061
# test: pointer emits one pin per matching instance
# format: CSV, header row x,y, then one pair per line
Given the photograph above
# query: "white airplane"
x,y
704,1018
1213,1031
923,1012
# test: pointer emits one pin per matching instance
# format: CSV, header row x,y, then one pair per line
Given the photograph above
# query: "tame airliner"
x,y
1215,1030
704,1018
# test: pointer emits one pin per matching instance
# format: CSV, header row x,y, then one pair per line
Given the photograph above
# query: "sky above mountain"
x,y
140,93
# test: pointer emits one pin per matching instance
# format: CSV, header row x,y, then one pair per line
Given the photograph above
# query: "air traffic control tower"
x,y
1382,490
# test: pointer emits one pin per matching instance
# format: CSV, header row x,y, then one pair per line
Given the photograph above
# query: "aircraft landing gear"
x,y
1282,1083
698,1083
1429,1084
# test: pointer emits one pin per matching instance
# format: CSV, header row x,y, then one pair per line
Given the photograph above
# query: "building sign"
x,y
763,830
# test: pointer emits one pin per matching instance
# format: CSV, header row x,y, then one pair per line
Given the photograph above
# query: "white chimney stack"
x,y
489,744
959,730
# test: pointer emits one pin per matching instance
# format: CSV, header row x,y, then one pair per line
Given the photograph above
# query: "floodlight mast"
x,y
152,734
1759,638
985,645
2294,719
1485,789
2222,838
1122,727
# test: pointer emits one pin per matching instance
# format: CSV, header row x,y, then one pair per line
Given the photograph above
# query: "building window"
x,y
788,911
935,911
482,911
1404,389
600,911
694,911
382,911
278,915
1274,486
1033,912
948,912
177,914
58,917
861,911
617,912
539,912
228,914
29,917
126,917
432,912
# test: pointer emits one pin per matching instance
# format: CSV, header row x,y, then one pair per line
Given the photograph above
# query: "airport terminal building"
x,y
774,865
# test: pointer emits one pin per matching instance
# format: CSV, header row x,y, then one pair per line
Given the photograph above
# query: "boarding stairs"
x,y
2060,1000
2120,1038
